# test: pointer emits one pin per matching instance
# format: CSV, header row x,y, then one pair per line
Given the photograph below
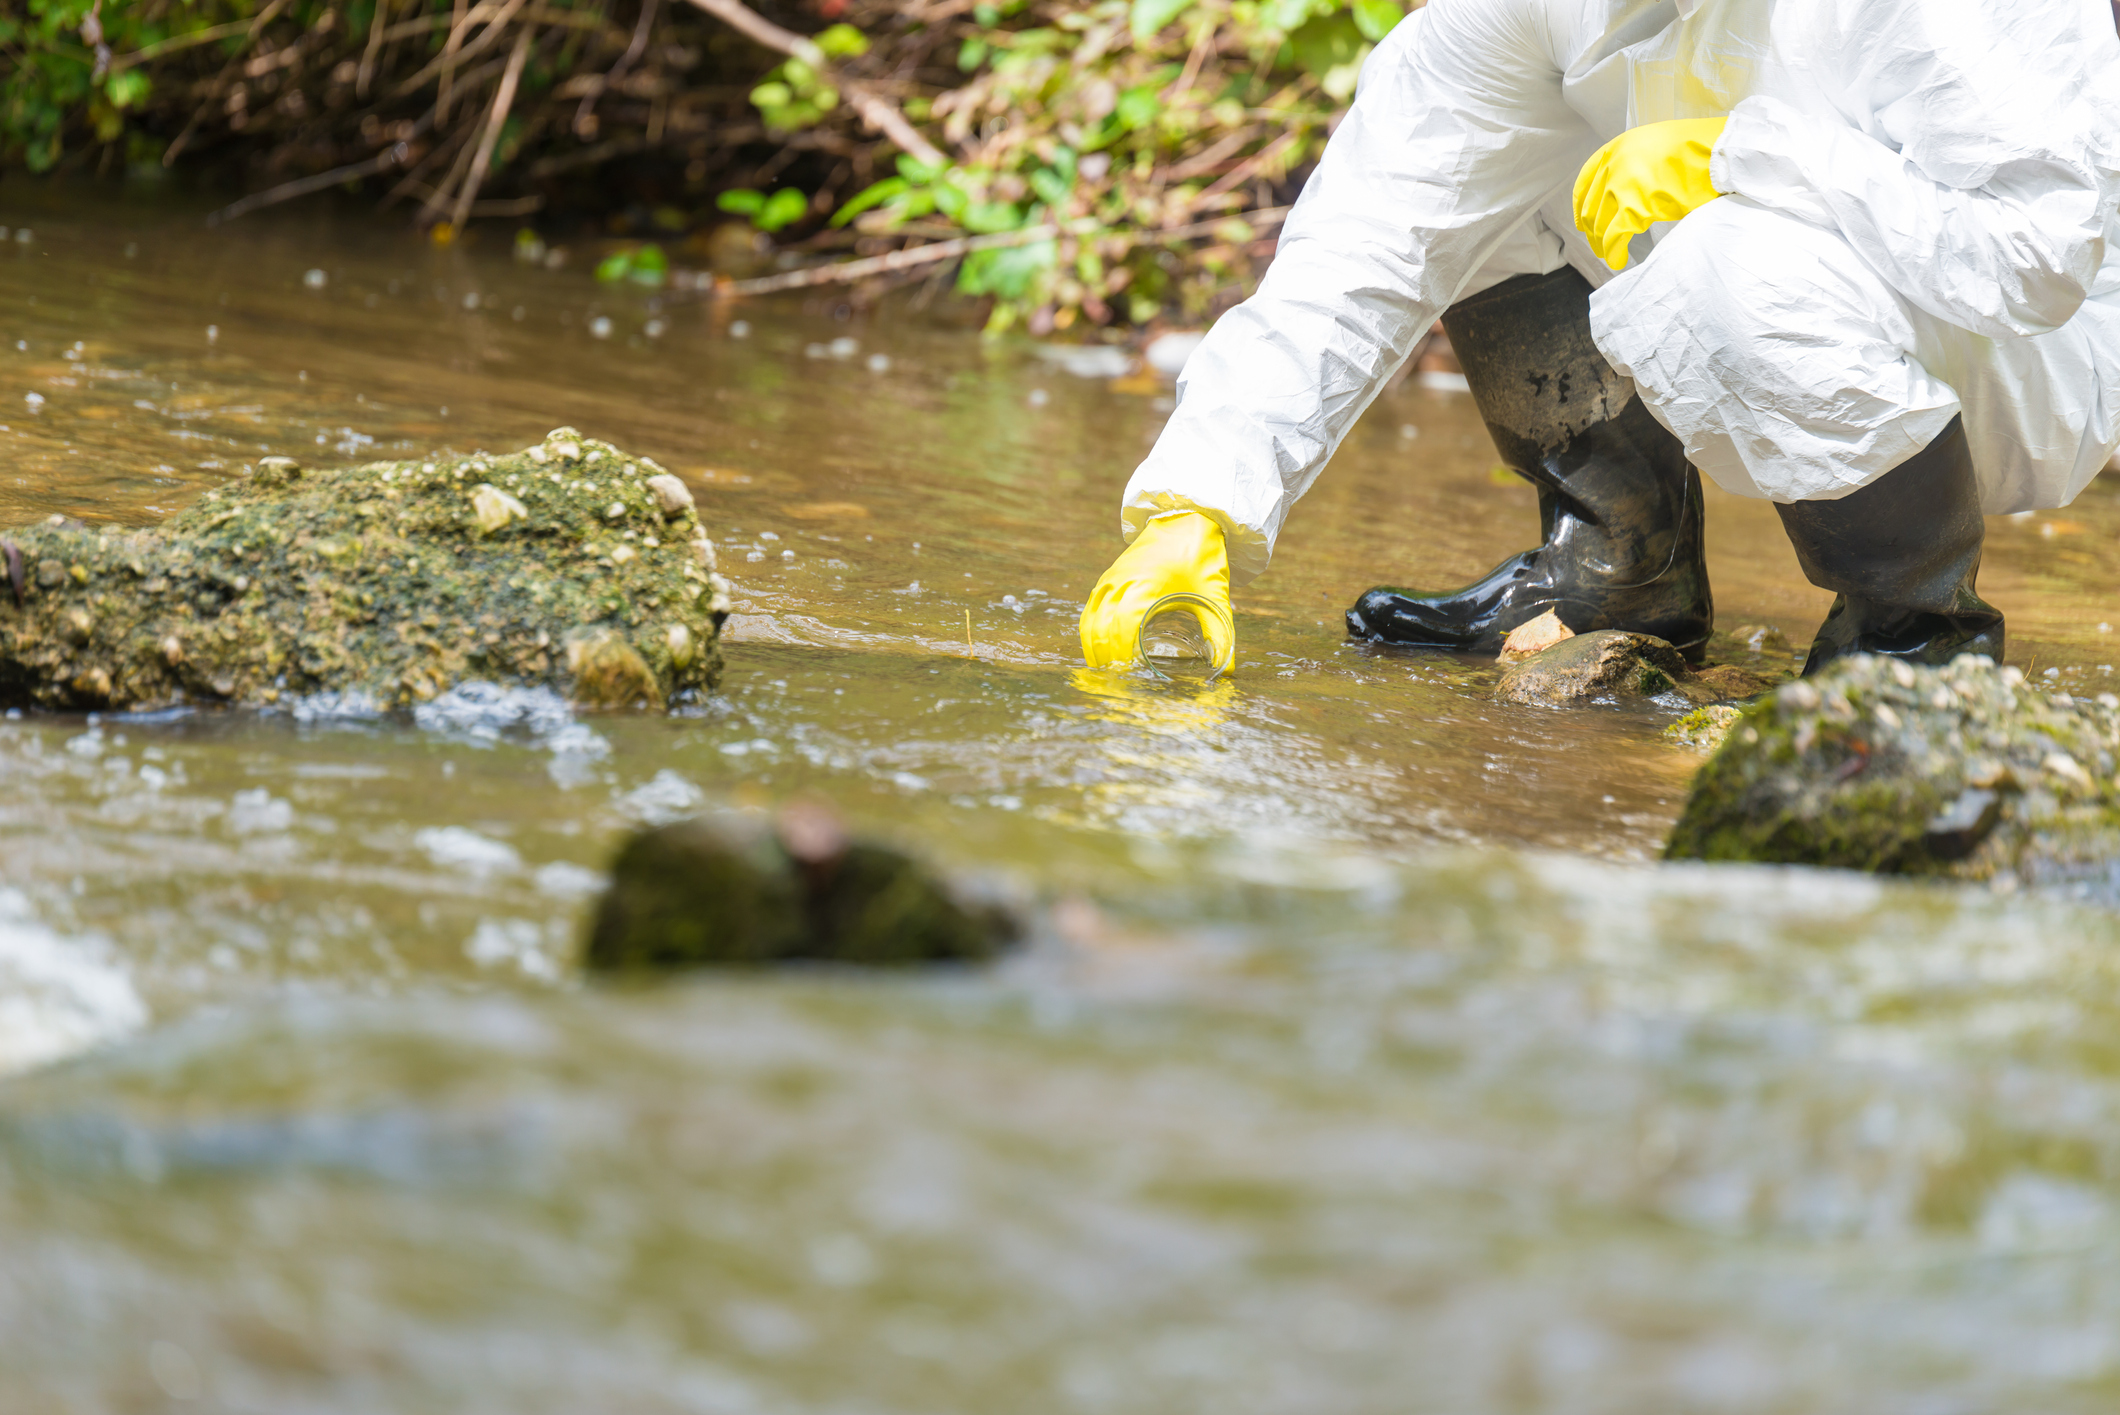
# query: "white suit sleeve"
x,y
1458,133
1974,173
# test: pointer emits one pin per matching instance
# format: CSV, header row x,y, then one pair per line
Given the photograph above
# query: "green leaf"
x,y
1286,15
915,171
773,95
1138,107
1151,15
988,217
127,89
875,194
1052,188
614,267
1009,273
784,208
1375,18
843,42
649,267
1325,44
973,53
741,201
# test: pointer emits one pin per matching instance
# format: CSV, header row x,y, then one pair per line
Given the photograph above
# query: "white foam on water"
x,y
668,797
481,712
58,996
458,848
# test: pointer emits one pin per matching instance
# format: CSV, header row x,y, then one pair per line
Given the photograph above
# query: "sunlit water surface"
x,y
1359,1061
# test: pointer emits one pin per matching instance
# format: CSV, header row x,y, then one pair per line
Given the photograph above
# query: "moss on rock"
x,y
735,890
1965,771
568,565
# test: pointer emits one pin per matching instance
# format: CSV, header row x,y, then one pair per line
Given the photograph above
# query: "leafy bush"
x,y
1141,133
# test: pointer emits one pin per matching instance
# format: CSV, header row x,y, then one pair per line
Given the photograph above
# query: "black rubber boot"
x,y
1619,505
1901,555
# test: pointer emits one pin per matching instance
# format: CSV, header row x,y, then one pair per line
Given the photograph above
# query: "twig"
x,y
447,89
375,47
447,147
1193,61
877,111
449,61
503,98
851,270
257,27
301,187
1241,173
585,116
176,43
431,209
1201,163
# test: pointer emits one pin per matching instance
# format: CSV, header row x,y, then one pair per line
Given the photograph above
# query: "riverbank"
x,y
1112,165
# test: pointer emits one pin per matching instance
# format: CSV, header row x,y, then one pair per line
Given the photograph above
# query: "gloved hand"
x,y
1182,551
1657,172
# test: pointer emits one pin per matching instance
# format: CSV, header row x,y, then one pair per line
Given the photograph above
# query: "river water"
x,y
1359,1061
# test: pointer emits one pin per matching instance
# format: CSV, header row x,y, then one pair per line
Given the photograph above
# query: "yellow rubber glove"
x,y
1174,553
1657,172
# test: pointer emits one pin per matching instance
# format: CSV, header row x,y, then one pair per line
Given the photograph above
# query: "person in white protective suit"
x,y
1852,256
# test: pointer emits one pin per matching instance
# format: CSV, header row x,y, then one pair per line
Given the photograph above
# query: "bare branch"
x,y
502,99
876,110
847,271
301,187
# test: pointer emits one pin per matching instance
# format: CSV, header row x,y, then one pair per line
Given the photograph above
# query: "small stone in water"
x,y
1535,636
843,348
600,327
315,279
740,329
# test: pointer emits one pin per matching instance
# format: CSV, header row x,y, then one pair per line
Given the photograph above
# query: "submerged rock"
x,y
1965,771
569,565
735,890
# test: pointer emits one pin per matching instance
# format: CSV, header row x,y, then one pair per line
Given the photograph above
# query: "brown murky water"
x,y
1360,1061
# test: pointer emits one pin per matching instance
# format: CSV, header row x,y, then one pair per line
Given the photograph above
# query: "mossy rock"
x,y
1614,663
735,891
1966,772
568,565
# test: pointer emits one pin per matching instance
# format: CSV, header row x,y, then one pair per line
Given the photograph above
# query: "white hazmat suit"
x,y
1922,196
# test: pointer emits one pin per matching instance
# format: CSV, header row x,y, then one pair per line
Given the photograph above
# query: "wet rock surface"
x,y
1606,662
737,890
569,565
1966,771
1612,663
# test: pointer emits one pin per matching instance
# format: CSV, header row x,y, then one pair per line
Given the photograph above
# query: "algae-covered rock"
x,y
1704,728
569,565
1598,664
1560,669
1965,771
736,890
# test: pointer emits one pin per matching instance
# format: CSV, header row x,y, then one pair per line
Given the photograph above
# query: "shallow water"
x,y
1358,1062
